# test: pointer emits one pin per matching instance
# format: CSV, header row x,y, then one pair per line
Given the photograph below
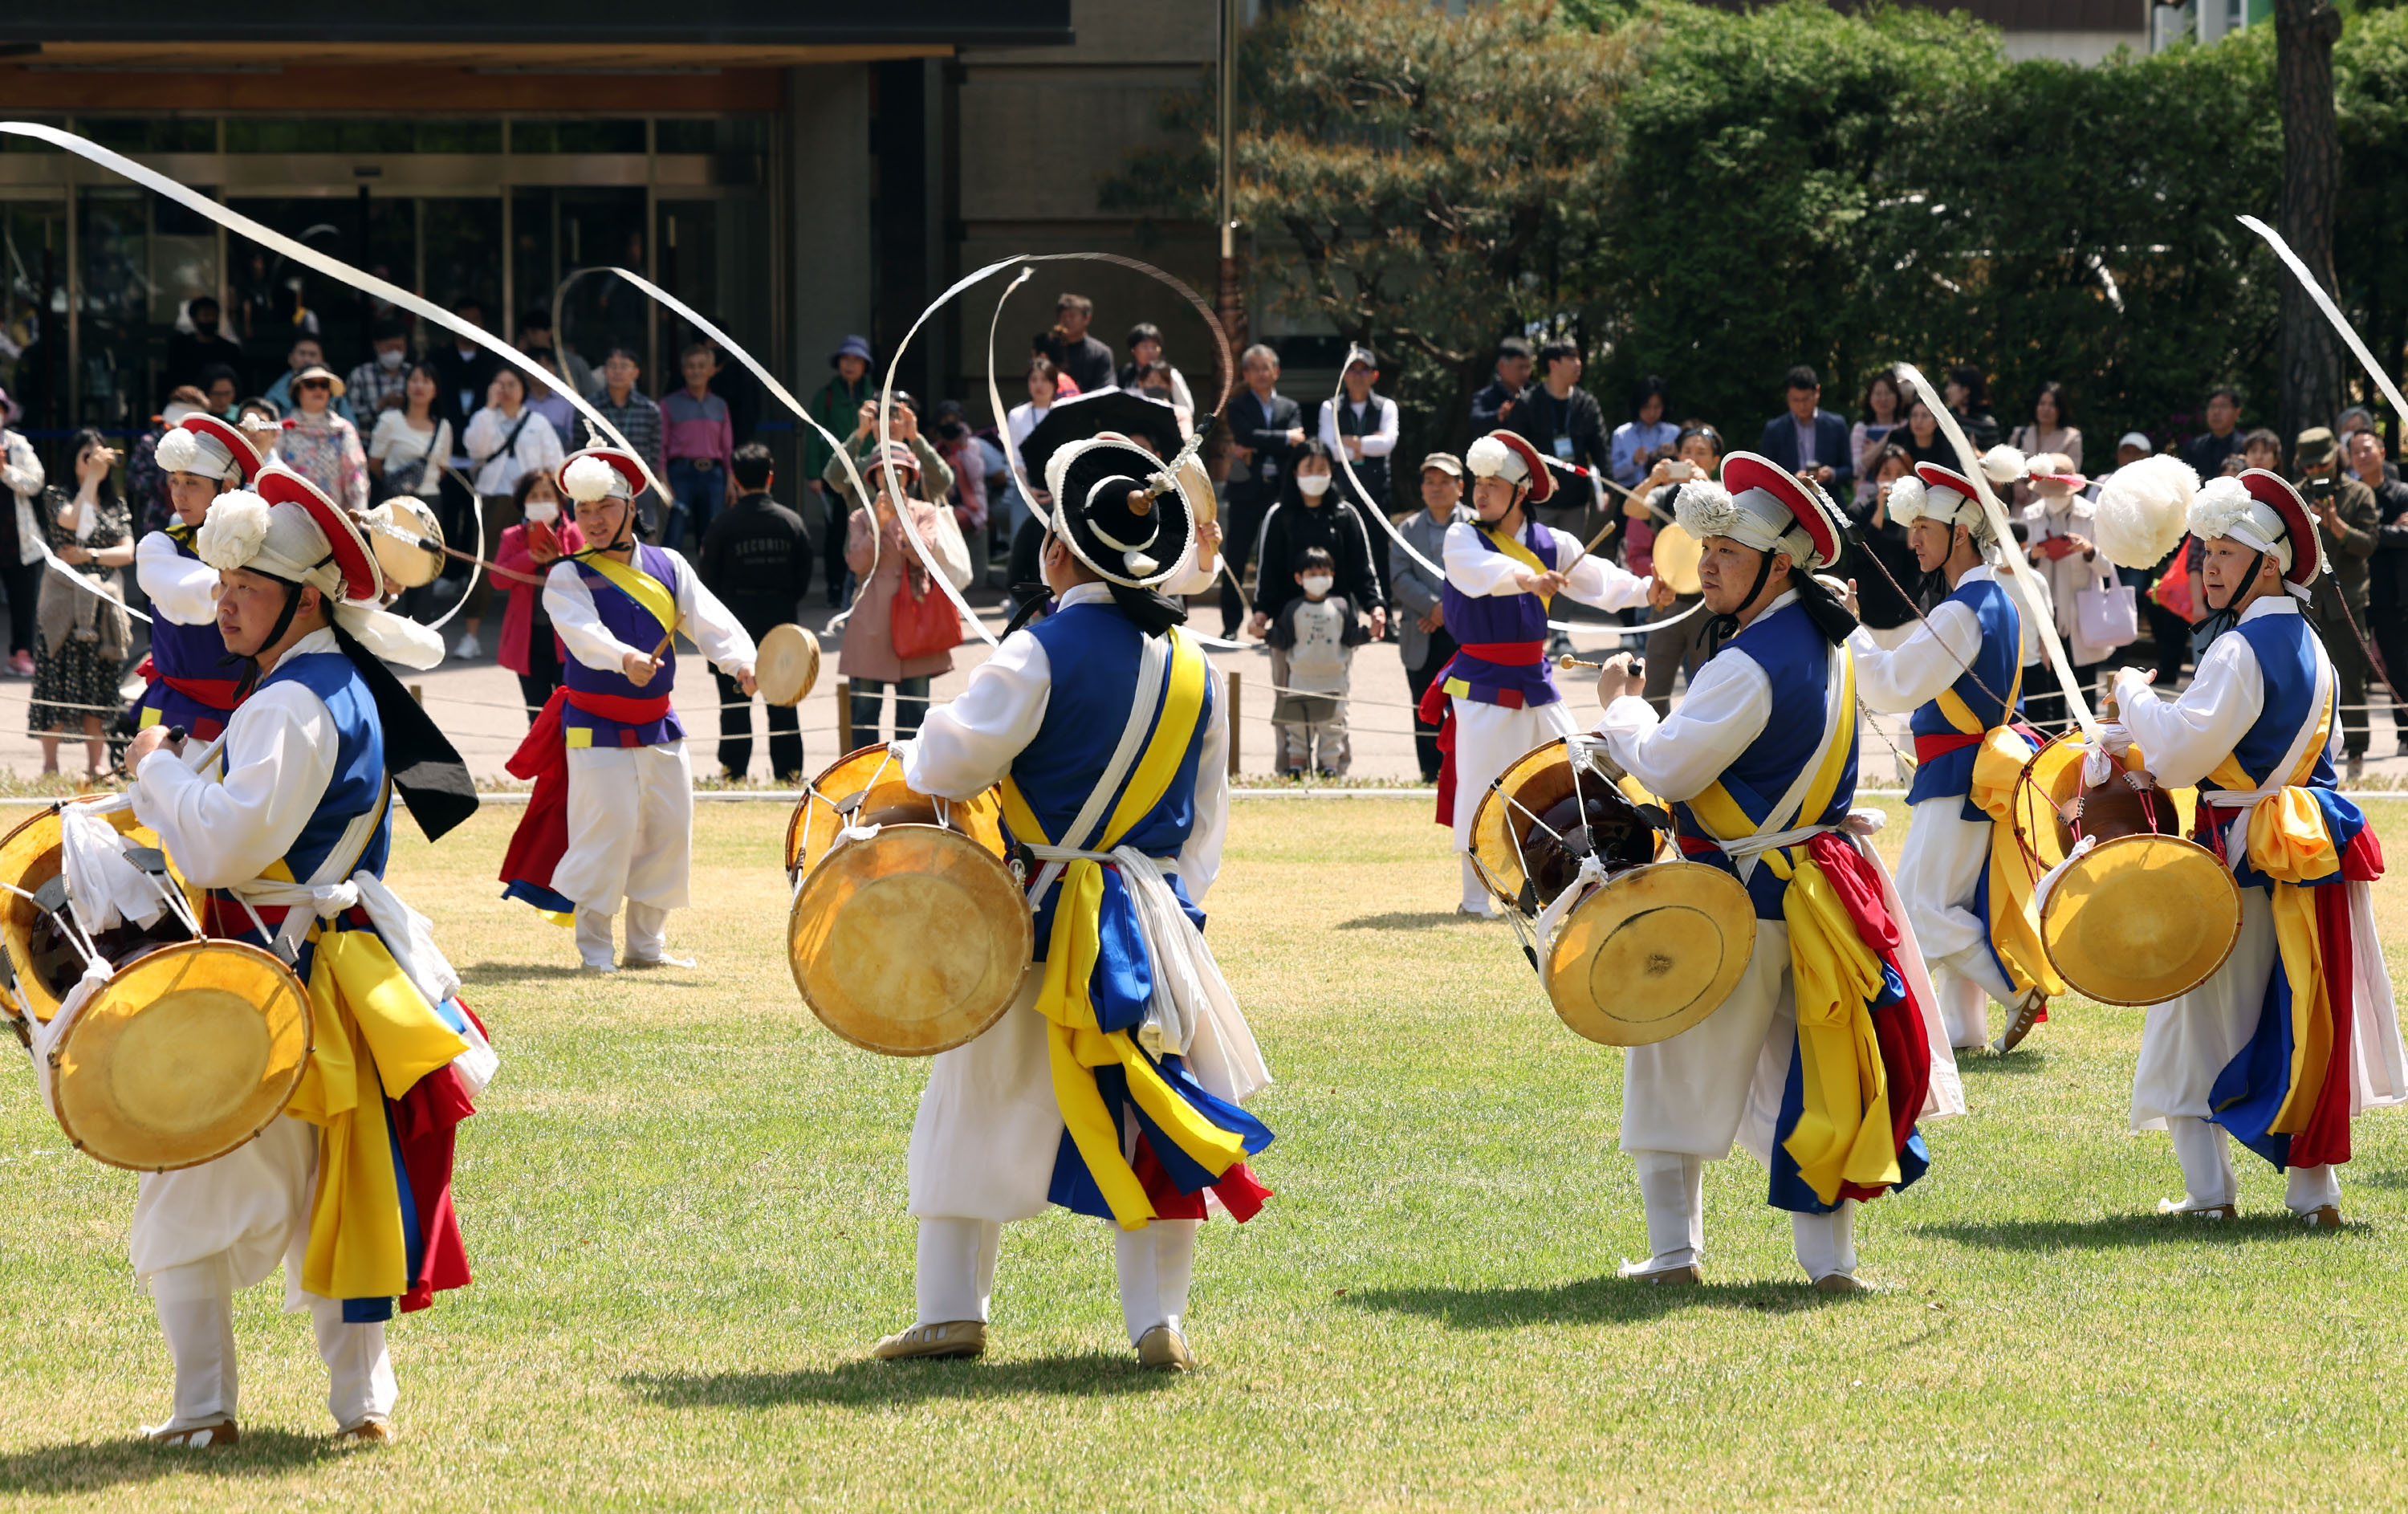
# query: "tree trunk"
x,y
2307,351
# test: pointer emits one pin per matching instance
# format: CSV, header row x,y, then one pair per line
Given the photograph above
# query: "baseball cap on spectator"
x,y
851,347
2134,439
1445,462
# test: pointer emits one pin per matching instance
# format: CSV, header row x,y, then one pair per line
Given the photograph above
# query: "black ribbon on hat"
x,y
427,770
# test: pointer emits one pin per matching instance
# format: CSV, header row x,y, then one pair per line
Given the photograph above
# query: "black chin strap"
x,y
2220,621
249,665
1721,628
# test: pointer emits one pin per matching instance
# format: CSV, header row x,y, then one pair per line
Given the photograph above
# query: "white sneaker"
x,y
469,650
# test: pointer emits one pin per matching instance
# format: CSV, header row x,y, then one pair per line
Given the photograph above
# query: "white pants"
x,y
1672,1188
2205,1152
1488,739
630,828
647,934
1939,871
956,1271
195,1305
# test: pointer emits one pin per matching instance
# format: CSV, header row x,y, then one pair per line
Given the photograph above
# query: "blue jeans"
x,y
869,702
698,493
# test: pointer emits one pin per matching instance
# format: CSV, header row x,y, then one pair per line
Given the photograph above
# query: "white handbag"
x,y
2108,612
952,553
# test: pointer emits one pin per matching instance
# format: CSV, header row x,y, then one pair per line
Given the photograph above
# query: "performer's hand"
x,y
1208,537
750,683
638,668
1660,595
1617,679
147,741
1545,585
1849,598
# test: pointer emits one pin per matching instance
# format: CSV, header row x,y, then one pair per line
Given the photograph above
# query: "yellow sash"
x,y
2289,844
2014,914
647,591
1513,547
1076,1045
1724,821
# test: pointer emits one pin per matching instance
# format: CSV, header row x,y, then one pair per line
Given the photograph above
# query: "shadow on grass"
x,y
1087,1374
2122,1230
85,1466
496,972
1986,1064
1409,920
2384,1177
1590,1301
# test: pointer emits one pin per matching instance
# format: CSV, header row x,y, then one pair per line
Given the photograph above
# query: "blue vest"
x,y
1094,651
358,784
2286,647
1999,663
1797,660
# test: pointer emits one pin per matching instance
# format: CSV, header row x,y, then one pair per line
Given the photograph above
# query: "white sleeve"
x,y
970,742
183,589
1199,860
1201,569
548,454
1473,569
570,604
1920,668
483,439
1727,704
2183,739
1179,395
1328,429
1596,580
23,472
713,627
279,756
1381,442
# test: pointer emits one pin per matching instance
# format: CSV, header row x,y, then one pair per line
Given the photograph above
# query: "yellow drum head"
x,y
2141,919
1677,555
182,1056
830,803
910,943
1650,953
1538,780
43,965
788,664
405,564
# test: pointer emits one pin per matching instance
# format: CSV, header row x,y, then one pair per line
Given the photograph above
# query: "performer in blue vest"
x,y
624,828
1828,1053
2296,1032
1498,699
193,681
286,823
1967,891
1112,1087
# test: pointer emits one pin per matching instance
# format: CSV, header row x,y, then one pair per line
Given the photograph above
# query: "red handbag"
x,y
921,622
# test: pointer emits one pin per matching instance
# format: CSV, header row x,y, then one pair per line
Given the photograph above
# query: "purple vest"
x,y
182,650
632,624
1474,619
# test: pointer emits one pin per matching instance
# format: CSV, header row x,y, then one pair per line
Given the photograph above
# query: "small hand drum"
x,y
181,1057
1554,805
1677,555
914,940
395,528
1649,953
788,665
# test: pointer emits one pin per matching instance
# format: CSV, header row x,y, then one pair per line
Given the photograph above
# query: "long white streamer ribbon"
x,y
2324,302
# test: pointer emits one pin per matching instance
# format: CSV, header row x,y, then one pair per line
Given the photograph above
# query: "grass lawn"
x,y
685,1205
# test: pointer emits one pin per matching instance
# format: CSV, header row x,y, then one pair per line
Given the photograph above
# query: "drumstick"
x,y
1567,662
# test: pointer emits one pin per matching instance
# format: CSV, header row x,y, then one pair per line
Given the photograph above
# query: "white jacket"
x,y
23,472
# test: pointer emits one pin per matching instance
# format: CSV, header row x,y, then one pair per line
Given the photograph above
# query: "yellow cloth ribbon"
x,y
376,1036
2289,843
1998,765
1512,548
638,586
1076,1045
1844,1133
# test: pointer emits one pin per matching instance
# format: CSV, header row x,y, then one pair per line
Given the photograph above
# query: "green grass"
x,y
685,1205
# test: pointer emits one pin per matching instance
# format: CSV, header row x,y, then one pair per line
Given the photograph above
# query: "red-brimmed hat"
x,y
2275,492
623,463
1541,482
1939,476
1745,470
245,456
362,581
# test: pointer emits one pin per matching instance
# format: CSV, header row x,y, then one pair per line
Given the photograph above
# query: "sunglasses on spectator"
x,y
315,384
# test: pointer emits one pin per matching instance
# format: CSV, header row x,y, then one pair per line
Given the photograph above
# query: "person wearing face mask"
x,y
377,384
1317,632
1498,695
1759,763
540,539
1313,514
192,682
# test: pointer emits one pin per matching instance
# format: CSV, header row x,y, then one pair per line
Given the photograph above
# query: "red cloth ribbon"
x,y
1437,707
1899,1028
625,709
542,838
1929,747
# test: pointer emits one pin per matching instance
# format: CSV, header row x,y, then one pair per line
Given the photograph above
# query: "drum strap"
x,y
328,891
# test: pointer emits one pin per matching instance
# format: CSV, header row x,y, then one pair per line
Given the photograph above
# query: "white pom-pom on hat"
x,y
2003,463
1907,500
1491,458
2143,511
177,450
232,531
588,479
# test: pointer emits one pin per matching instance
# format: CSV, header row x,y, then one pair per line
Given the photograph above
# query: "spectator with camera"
x,y
2347,518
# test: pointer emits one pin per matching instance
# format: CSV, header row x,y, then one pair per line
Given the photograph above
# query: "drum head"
x,y
42,964
2141,919
910,943
830,802
1677,555
405,564
183,1056
1509,840
788,664
1650,953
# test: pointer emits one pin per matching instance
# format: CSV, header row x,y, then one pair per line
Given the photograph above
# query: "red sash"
x,y
625,709
1437,707
217,693
1929,747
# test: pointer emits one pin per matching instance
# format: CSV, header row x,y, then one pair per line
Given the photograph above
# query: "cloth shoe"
x,y
2202,1211
220,1435
950,1339
372,1431
2323,1216
2026,1016
1840,1282
469,648
664,959
1165,1349
1644,1272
